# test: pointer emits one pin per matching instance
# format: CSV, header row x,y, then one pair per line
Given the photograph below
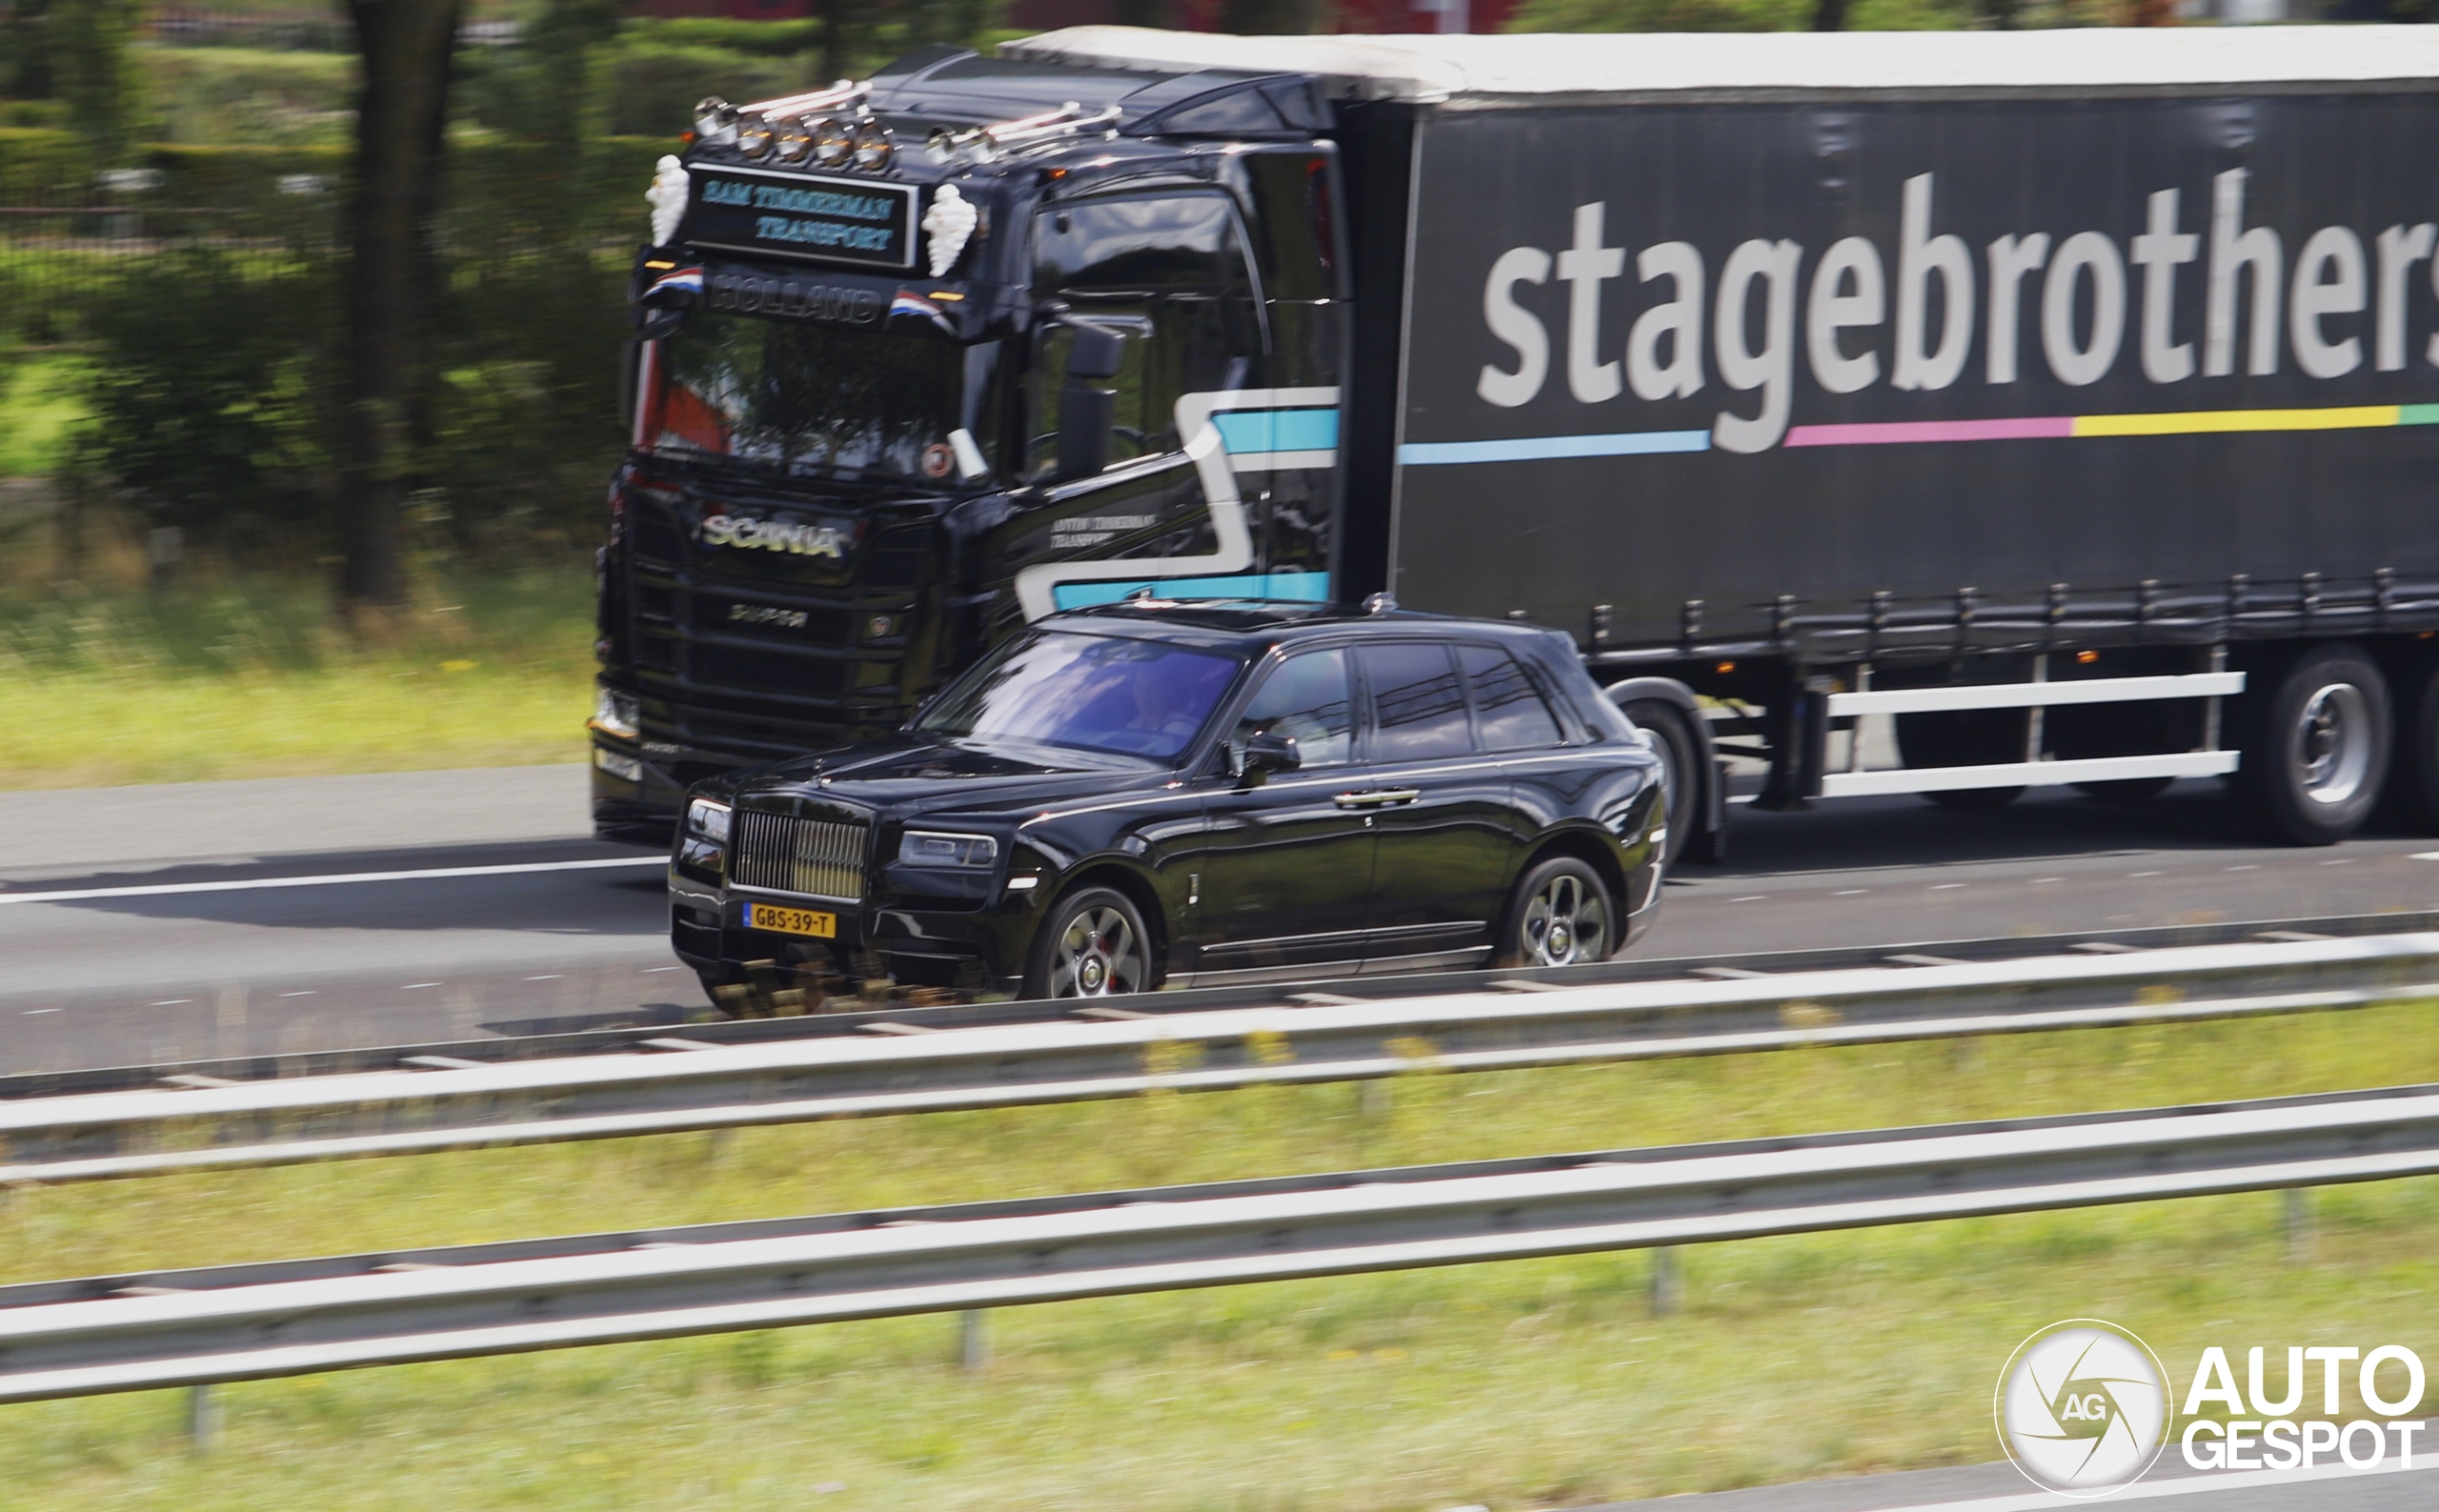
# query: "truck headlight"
x,y
614,713
927,848
707,820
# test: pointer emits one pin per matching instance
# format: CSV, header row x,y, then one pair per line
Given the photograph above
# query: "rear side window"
x,y
1512,716
1418,709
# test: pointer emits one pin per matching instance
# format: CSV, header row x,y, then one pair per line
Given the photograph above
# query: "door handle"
x,y
1378,797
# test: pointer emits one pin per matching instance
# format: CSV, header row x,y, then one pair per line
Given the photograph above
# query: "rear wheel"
x,y
1560,915
1093,944
2316,745
1673,741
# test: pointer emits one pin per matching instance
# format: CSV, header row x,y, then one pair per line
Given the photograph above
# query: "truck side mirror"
x,y
1088,414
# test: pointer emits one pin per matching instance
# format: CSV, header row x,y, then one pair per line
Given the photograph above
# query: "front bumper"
x,y
981,949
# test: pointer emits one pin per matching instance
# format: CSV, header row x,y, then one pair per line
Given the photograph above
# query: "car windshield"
x,y
795,396
1097,693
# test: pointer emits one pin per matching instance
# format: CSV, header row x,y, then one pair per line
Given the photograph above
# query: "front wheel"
x,y
1560,915
1093,944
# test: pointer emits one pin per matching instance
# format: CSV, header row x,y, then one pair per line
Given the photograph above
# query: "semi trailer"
x,y
2069,399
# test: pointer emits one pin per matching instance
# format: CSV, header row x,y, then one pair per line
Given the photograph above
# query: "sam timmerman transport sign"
x,y
842,220
2085,1408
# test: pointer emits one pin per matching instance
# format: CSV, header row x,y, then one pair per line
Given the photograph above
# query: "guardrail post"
x,y
972,1339
2297,1213
203,1419
1667,1281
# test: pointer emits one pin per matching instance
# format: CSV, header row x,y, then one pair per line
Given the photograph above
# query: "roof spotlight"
x,y
754,135
794,139
833,139
716,121
873,146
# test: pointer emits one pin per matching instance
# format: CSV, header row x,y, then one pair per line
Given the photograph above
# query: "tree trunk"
x,y
391,272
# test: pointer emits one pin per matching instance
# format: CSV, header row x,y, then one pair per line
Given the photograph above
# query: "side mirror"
x,y
1088,414
1266,752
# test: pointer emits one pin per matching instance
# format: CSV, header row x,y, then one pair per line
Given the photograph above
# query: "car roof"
x,y
1249,625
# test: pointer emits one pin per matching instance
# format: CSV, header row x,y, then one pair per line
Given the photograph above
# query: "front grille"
x,y
819,858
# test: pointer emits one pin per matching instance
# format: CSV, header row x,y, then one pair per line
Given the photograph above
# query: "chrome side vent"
x,y
817,858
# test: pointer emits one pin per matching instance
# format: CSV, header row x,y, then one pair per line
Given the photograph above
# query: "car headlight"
x,y
707,820
927,848
614,713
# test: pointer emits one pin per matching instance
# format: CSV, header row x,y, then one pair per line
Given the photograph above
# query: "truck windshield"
x,y
797,397
1098,693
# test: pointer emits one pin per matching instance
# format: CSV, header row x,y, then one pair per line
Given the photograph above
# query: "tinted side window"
x,y
1307,700
1512,713
1186,241
1418,710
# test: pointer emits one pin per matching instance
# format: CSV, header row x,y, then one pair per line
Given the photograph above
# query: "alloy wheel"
x,y
1099,954
2332,743
1565,923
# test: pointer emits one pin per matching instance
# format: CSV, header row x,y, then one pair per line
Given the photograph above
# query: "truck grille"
x,y
820,858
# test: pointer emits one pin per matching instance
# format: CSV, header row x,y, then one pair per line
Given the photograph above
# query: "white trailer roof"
x,y
1425,68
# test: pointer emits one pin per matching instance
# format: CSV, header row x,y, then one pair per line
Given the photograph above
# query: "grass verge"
x,y
1523,1384
245,676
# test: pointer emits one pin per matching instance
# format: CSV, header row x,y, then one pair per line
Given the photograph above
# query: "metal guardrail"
x,y
135,1332
681,1085
542,1039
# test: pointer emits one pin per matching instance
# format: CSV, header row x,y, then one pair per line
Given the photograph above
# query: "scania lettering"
x,y
2065,404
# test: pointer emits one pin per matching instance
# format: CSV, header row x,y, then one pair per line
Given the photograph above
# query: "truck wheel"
x,y
1560,915
2315,747
2412,796
1092,944
1673,741
1964,738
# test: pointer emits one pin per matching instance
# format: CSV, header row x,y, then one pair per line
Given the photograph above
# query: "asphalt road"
x,y
538,927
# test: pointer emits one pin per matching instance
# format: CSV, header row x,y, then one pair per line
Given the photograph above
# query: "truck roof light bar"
x,y
845,91
982,142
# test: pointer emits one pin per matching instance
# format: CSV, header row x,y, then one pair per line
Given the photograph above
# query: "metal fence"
x,y
237,1322
673,1083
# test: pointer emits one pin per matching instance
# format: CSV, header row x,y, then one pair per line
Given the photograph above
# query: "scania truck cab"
x,y
922,360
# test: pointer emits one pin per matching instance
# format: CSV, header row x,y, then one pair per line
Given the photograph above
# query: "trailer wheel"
x,y
2412,796
2315,746
1963,737
1673,741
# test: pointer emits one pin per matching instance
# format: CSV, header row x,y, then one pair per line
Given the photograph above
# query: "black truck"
x,y
2068,399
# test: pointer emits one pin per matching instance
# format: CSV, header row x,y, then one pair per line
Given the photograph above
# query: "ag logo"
x,y
2083,1408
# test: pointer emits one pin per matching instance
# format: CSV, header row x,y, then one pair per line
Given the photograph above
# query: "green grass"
x,y
1523,1384
245,676
39,403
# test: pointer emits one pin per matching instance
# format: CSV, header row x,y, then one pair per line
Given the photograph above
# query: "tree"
x,y
390,279
93,70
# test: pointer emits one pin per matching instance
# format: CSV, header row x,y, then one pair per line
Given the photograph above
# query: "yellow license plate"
x,y
791,920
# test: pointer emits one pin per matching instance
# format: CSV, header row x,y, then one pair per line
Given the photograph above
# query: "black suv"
x,y
1156,793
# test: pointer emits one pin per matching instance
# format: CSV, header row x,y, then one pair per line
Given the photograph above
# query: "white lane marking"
x,y
654,970
2147,874
1944,887
550,976
2346,861
1851,892
332,880
2037,881
30,1011
2181,1485
306,993
169,1002
416,986
2256,868
1751,898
